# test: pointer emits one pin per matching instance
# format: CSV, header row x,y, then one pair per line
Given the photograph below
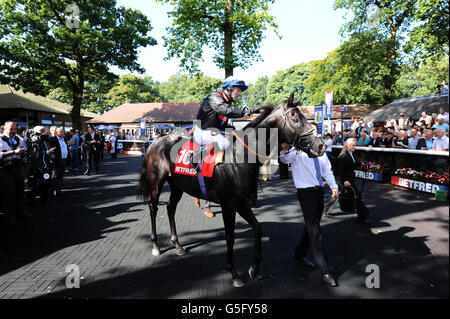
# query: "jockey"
x,y
213,118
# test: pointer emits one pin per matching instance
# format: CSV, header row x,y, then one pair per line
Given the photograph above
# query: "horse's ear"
x,y
297,103
290,101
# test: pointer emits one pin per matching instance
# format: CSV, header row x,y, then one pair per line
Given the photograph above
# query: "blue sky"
x,y
309,30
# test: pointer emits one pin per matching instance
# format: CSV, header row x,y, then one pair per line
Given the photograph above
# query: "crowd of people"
x,y
39,157
429,133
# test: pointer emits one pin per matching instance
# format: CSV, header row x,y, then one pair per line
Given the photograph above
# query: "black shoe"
x,y
366,220
329,280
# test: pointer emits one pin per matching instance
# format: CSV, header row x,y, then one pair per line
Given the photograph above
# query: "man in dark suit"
x,y
92,141
376,140
59,159
346,165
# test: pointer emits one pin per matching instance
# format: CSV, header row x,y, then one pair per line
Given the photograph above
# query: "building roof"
x,y
12,99
157,112
411,107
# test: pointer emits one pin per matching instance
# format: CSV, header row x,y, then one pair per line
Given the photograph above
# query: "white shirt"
x,y
445,115
5,147
412,142
304,169
440,143
427,119
328,143
113,143
351,155
63,146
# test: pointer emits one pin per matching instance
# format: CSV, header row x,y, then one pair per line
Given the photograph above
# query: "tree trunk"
x,y
228,38
75,113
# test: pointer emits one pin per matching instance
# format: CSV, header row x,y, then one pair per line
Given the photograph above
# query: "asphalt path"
x,y
101,227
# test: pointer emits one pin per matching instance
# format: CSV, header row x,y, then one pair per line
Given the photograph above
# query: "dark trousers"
x,y
58,175
75,159
92,159
312,204
361,210
12,192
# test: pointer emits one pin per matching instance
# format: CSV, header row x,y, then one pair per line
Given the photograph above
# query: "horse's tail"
x,y
143,191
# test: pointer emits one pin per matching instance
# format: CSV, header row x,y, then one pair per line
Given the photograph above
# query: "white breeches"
x,y
204,137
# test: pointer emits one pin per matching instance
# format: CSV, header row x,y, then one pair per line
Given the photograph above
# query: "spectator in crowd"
x,y
2,129
387,139
355,124
426,142
337,139
444,114
426,118
372,131
422,126
376,140
52,131
129,136
433,119
400,140
441,124
101,147
409,123
413,139
61,154
444,88
44,164
74,149
11,176
440,142
364,140
113,143
369,123
402,121
359,128
92,141
438,89
390,122
328,142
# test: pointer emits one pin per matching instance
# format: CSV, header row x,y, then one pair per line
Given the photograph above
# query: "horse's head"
x,y
297,131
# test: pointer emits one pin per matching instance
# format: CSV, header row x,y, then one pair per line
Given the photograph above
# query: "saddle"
x,y
183,167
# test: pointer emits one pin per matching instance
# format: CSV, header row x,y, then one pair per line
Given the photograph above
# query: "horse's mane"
x,y
267,109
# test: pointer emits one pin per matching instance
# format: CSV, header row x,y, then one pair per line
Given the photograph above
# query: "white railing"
x,y
396,150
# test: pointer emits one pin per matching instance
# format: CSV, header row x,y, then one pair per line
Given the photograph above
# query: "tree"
x,y
182,88
256,95
233,29
391,19
42,46
132,89
430,36
284,82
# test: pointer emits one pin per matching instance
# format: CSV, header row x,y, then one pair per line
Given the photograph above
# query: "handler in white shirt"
x,y
307,174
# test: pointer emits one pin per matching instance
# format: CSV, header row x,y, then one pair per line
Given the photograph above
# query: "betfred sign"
x,y
369,175
417,185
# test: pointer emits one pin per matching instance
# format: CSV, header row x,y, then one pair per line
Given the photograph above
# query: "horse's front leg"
x,y
246,212
229,220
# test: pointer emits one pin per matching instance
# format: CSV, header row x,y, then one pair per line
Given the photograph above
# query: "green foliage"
x,y
284,82
182,88
233,29
41,51
256,95
132,89
422,80
431,34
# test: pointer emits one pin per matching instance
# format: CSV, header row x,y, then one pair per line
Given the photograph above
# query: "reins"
x,y
248,148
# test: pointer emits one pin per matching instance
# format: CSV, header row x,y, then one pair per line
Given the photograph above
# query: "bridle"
x,y
298,136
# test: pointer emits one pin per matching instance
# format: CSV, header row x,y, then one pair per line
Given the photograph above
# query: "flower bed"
x,y
427,182
370,171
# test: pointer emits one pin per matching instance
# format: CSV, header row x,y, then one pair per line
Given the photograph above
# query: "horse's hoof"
x,y
252,272
238,282
180,252
156,251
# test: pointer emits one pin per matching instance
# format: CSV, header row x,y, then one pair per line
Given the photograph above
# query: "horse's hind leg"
x,y
246,212
175,196
229,220
155,192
